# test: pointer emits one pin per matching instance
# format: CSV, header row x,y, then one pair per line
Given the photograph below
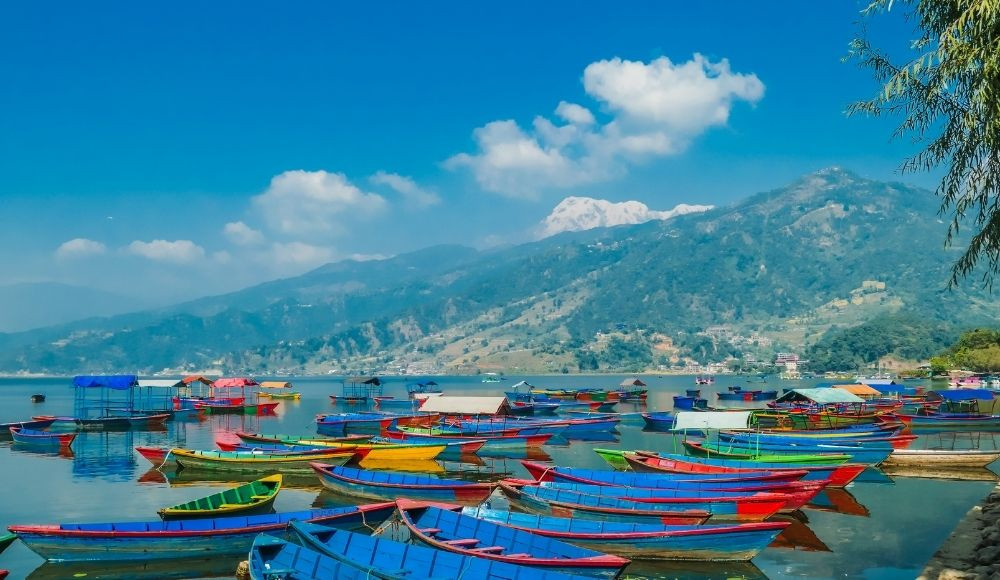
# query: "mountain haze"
x,y
830,249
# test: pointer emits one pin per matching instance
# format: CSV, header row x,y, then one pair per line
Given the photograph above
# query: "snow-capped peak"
x,y
575,214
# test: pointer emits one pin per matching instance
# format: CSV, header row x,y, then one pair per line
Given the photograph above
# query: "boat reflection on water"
x,y
530,453
798,535
873,475
601,436
216,567
694,570
196,477
428,466
105,455
838,500
64,452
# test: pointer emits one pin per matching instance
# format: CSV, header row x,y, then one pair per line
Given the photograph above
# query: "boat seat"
x,y
260,497
517,555
466,542
230,505
429,531
489,549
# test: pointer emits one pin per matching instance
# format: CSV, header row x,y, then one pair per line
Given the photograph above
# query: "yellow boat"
x,y
381,451
292,395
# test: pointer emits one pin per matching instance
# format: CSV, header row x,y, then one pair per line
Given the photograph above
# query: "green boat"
x,y
249,498
614,457
697,450
6,540
268,462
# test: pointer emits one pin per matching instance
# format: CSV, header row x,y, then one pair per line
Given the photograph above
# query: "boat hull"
x,y
392,485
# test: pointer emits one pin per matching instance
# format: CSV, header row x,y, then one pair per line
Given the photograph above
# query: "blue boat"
x,y
568,503
738,542
865,455
394,404
659,421
384,558
688,403
452,531
159,540
392,485
765,395
722,505
749,480
358,423
37,425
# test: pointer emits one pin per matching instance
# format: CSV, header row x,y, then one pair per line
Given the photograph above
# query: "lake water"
x,y
878,528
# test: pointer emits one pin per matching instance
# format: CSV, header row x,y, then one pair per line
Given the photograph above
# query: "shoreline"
x,y
972,551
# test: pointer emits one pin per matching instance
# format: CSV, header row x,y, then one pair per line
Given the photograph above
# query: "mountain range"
x,y
777,270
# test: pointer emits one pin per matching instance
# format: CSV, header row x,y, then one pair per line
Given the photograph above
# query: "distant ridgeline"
x,y
787,264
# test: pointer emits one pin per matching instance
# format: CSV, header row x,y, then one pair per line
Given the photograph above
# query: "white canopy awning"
x,y
465,405
712,420
164,383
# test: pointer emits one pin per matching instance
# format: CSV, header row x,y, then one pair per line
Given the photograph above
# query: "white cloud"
x,y
574,113
368,257
405,186
300,254
655,109
222,257
314,202
241,234
574,214
80,247
177,251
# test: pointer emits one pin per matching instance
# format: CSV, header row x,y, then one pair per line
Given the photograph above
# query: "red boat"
x,y
832,475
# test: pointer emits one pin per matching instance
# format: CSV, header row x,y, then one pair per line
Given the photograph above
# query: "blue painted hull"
x,y
391,485
866,455
139,541
379,557
646,541
659,421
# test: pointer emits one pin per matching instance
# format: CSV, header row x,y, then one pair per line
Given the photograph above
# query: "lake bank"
x,y
972,551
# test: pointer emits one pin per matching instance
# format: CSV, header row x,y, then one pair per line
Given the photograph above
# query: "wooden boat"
x,y
278,438
563,394
832,475
277,448
689,403
389,484
148,420
974,421
41,438
156,455
698,449
872,440
598,395
165,540
755,506
823,452
497,442
85,424
964,458
365,423
4,574
720,481
661,421
376,557
6,540
237,461
230,408
254,497
739,542
567,406
36,425
38,398
392,403
570,504
452,531
391,450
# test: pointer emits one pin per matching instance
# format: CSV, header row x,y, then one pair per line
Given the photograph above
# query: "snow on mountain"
x,y
575,214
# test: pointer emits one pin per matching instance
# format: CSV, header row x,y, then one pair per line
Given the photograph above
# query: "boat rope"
x,y
166,458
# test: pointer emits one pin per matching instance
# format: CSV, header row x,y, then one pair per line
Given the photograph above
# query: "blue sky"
x,y
178,148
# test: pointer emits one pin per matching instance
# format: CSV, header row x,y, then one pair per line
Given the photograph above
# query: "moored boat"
x,y
452,531
37,425
377,557
659,421
832,475
254,497
41,438
238,461
645,541
571,504
967,458
393,485
493,442
161,540
6,540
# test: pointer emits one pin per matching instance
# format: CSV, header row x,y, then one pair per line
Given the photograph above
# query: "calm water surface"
x,y
878,528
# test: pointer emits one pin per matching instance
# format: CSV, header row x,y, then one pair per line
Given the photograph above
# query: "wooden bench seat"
x,y
468,542
489,549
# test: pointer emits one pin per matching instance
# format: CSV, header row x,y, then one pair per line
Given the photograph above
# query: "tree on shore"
x,y
948,96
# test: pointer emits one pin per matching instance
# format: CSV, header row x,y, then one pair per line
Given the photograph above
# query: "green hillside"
x,y
786,265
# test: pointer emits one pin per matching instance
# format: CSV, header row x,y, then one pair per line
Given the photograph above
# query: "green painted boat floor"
x,y
247,495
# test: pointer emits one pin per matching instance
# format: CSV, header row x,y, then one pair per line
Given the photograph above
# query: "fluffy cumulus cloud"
x,y
574,214
654,109
79,248
314,202
177,251
241,234
411,192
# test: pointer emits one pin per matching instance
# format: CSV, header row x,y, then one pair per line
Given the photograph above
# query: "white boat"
x,y
942,457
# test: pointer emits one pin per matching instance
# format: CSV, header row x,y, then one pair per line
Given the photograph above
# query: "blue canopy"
x,y
119,382
964,394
